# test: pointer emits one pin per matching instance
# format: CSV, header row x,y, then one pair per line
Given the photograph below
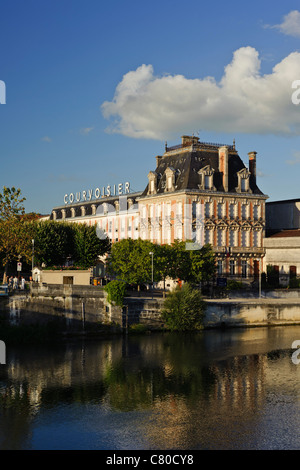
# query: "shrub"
x,y
183,309
234,285
294,283
115,292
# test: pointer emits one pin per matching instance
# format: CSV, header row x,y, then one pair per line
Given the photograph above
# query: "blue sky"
x,y
94,89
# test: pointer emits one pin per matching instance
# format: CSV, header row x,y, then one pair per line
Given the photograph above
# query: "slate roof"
x,y
187,164
286,234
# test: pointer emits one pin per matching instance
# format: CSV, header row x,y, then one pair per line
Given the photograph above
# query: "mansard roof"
x,y
187,161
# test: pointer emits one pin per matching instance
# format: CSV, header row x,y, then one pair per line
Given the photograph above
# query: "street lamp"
x,y
151,253
32,258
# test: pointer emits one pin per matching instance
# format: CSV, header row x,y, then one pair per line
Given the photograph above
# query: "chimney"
x,y
223,166
187,140
252,165
158,159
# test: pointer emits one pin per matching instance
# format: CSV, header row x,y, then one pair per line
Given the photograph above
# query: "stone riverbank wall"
x,y
78,306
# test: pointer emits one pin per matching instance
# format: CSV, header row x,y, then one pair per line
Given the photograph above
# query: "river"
x,y
231,389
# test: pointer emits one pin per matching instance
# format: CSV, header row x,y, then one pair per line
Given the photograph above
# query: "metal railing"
x,y
200,145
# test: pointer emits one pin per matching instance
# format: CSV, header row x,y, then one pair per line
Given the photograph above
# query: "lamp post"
x,y
151,253
259,279
32,259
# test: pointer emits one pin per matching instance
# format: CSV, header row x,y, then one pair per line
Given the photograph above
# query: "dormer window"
x,y
206,178
170,179
152,187
243,181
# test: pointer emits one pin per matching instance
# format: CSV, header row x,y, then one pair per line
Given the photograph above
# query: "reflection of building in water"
x,y
226,408
241,384
37,373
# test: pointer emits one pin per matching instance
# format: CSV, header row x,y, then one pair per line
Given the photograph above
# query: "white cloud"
x,y
46,139
86,130
244,100
290,24
296,158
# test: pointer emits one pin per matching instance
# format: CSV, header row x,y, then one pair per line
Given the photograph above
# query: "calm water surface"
x,y
235,389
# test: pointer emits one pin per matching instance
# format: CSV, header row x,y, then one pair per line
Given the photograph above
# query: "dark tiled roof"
x,y
286,234
187,164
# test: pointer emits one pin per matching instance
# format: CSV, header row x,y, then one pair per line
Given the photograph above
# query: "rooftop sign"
x,y
97,193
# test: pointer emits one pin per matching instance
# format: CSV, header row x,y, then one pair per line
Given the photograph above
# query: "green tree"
x,y
11,203
15,231
15,241
53,242
163,262
131,262
180,261
203,264
87,246
183,309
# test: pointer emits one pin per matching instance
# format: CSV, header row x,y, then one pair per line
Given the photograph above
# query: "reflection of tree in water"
x,y
127,390
168,368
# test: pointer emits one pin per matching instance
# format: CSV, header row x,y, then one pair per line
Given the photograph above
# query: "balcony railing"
x,y
257,250
199,145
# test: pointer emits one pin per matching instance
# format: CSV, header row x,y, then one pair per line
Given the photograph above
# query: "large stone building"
x,y
199,192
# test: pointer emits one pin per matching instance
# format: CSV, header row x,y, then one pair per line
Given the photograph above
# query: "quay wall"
x,y
75,306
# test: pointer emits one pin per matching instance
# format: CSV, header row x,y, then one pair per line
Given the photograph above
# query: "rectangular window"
x,y
232,211
207,181
220,267
207,209
232,238
256,239
232,267
244,238
256,212
207,237
220,210
220,237
244,268
293,271
244,211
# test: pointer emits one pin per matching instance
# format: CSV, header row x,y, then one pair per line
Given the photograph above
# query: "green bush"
x,y
294,283
234,285
183,309
116,292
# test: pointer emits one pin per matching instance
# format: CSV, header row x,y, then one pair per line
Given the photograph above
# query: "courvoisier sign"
x,y
97,193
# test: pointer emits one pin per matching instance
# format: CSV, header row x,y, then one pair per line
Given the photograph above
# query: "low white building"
x,y
283,253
